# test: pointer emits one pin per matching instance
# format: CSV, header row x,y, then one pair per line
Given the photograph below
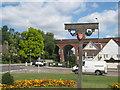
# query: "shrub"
x,y
7,78
72,61
18,61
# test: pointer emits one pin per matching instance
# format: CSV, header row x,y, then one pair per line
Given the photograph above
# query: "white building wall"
x,y
107,56
110,50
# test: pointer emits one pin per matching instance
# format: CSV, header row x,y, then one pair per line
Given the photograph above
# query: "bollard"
x,y
30,63
25,63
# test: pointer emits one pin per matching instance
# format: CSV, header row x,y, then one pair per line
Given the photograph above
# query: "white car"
x,y
97,67
40,63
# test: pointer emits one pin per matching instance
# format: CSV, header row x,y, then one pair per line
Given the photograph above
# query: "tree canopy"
x,y
10,40
32,43
49,45
20,46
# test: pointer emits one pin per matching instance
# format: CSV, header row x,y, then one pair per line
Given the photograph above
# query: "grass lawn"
x,y
89,81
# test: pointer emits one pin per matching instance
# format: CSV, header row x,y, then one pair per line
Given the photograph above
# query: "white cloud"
x,y
42,0
23,0
109,36
101,0
95,5
70,7
47,16
51,16
107,19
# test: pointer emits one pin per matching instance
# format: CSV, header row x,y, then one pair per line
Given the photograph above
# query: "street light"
x,y
30,57
14,54
80,30
10,52
39,61
98,37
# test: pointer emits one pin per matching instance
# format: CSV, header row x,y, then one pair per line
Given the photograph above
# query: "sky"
x,y
51,16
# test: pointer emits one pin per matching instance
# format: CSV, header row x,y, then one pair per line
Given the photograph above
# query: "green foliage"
x,y
7,78
31,40
72,60
5,58
5,33
17,45
49,45
89,81
0,37
10,40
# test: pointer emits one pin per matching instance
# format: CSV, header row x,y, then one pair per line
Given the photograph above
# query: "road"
x,y
5,68
46,69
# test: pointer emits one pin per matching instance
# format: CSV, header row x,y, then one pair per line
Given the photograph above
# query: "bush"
x,y
18,61
7,78
5,62
72,61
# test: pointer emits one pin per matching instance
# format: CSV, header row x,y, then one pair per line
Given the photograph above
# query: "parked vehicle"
x,y
33,63
97,67
40,63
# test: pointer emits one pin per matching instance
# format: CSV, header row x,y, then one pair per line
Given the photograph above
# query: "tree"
x,y
7,79
11,48
5,53
72,60
49,45
20,44
31,40
0,37
5,33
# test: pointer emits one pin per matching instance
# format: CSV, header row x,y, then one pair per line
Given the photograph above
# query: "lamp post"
x,y
10,52
80,30
9,68
39,61
98,37
30,57
14,54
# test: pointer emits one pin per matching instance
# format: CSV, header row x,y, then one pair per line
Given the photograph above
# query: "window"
x,y
83,63
118,55
106,55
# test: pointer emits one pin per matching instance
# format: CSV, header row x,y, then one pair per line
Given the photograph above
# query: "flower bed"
x,y
115,85
40,83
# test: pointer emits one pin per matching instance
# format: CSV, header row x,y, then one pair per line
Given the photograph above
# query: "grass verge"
x,y
89,81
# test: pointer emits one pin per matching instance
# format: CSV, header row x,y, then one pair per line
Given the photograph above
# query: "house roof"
x,y
90,46
110,48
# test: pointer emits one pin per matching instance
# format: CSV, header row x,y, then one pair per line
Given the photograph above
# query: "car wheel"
x,y
76,71
36,65
40,65
98,72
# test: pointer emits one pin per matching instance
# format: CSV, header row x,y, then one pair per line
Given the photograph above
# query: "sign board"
x,y
81,27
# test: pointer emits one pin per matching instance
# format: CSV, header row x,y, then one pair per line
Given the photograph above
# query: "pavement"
x,y
11,64
113,69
